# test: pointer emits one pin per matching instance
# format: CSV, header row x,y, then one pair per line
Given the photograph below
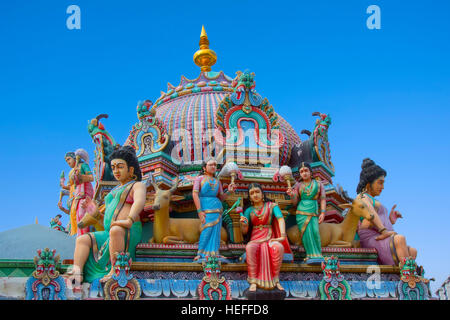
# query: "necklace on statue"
x,y
212,185
261,211
309,188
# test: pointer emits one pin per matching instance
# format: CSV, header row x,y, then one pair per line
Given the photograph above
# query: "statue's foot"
x,y
252,287
107,277
280,287
75,277
199,259
74,274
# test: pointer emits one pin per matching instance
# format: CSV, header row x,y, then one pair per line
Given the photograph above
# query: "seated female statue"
x,y
378,232
268,240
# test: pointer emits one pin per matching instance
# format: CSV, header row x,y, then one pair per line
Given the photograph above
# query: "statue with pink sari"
x,y
268,244
80,188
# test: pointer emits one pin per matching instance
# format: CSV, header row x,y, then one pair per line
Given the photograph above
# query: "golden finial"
x,y
205,57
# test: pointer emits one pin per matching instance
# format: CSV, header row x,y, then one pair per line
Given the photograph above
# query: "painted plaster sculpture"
x,y
333,285
45,283
310,196
268,242
213,285
208,196
412,285
94,252
79,186
122,285
317,147
56,224
104,146
337,234
378,232
173,231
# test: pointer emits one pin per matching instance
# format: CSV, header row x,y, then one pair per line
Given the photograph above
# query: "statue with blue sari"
x,y
208,196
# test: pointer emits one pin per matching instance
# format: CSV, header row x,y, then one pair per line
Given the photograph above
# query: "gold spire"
x,y
205,57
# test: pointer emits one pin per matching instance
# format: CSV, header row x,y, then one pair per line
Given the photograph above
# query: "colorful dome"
x,y
191,108
188,111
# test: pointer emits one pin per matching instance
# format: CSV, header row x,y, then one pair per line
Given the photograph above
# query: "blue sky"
x,y
387,90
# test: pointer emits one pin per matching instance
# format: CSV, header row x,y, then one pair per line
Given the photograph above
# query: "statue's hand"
x,y
202,217
123,223
290,192
231,187
85,202
60,205
276,240
321,217
385,235
394,215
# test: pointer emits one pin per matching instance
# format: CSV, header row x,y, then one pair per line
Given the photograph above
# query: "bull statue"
x,y
174,231
337,234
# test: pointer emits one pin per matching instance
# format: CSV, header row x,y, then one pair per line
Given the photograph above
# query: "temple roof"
x,y
192,106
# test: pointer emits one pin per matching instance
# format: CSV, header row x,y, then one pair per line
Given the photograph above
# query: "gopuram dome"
x,y
190,112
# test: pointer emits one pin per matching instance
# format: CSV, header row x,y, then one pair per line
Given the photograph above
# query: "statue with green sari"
x,y
309,194
95,251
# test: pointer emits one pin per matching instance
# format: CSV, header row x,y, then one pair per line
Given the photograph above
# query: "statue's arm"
x,y
281,223
66,211
295,193
139,195
245,220
196,198
323,202
86,174
224,195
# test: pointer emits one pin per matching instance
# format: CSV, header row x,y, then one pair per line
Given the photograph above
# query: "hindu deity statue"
x,y
79,186
310,195
208,196
56,224
378,232
268,243
95,251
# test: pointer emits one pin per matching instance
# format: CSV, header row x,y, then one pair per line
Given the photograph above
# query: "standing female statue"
x,y
79,186
268,240
309,191
208,196
94,252
378,232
